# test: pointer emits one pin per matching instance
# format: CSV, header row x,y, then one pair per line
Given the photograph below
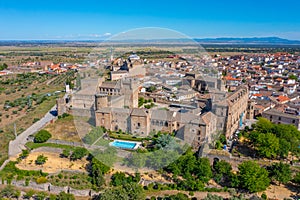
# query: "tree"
x,y
78,153
158,159
96,173
222,171
218,145
296,178
222,139
284,148
178,196
264,125
137,160
253,177
131,191
234,180
118,179
152,88
293,76
222,167
65,196
42,136
213,197
162,141
141,101
66,153
41,159
134,191
24,154
268,145
113,194
280,172
52,197
203,170
290,134
3,66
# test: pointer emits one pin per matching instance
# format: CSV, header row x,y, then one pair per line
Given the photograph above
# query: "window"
x,y
279,118
139,124
294,121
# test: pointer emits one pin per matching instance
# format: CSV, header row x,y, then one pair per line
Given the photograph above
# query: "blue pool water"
x,y
123,144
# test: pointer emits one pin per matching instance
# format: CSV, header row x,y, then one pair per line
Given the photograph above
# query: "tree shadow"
x,y
294,188
246,150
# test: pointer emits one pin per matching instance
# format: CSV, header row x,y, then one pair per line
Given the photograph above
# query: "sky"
x,y
97,19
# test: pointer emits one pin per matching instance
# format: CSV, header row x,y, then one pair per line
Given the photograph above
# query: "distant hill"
x,y
254,40
269,41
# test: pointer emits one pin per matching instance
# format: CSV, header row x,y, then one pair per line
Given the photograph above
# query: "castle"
x,y
114,105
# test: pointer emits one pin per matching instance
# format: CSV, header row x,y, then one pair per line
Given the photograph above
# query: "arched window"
x,y
166,124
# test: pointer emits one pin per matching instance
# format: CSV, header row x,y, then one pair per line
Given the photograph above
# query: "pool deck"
x,y
135,147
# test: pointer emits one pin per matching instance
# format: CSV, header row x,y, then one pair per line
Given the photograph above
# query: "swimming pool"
x,y
124,144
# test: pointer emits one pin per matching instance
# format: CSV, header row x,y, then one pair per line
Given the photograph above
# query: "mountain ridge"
x,y
247,40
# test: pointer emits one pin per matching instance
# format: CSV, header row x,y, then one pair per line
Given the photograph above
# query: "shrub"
x,y
29,194
52,197
40,196
78,153
64,115
41,180
264,196
41,159
65,196
60,176
42,136
65,153
27,181
9,192
24,154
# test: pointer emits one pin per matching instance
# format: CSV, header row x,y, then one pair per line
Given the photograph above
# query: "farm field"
x,y
24,99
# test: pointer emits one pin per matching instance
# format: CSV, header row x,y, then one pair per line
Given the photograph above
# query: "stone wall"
x,y
48,187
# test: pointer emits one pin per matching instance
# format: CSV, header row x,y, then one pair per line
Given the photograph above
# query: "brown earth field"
x,y
54,163
64,129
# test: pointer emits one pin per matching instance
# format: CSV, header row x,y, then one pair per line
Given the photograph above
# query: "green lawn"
x,y
122,136
33,145
103,142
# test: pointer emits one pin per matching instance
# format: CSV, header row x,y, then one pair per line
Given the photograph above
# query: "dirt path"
x,y
198,195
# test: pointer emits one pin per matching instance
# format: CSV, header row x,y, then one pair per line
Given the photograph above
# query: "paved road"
x,y
16,146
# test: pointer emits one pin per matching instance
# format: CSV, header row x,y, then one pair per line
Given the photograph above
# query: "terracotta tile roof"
x,y
229,78
257,95
282,98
